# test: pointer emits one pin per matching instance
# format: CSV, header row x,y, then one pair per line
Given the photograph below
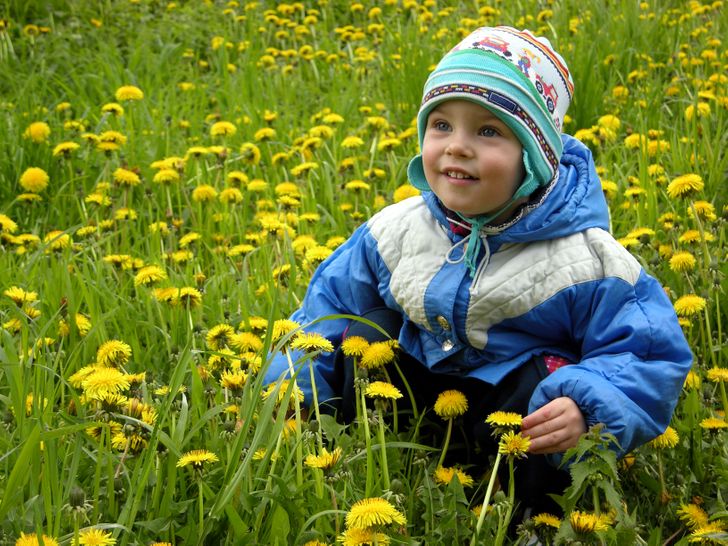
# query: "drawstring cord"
x,y
475,241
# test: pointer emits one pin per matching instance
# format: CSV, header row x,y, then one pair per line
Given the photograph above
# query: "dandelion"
x,y
585,523
38,132
65,149
266,133
233,380
377,355
282,328
324,460
34,180
125,177
128,93
373,512
166,177
711,533
104,381
297,393
681,262
514,444
362,537
95,537
113,108
713,424
685,186
717,375
503,421
222,128
689,305
187,296
382,390
666,440
451,404
405,191
113,353
693,516
204,193
700,110
197,458
445,475
311,342
7,225
20,296
545,519
219,336
33,540
250,153
692,381
354,346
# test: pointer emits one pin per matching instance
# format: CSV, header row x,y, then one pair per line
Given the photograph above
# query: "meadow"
x,y
171,175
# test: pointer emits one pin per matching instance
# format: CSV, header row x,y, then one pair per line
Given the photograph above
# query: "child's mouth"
x,y
459,175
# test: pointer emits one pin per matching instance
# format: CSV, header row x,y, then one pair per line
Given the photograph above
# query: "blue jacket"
x,y
550,281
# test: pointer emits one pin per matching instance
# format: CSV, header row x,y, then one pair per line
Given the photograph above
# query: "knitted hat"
x,y
522,81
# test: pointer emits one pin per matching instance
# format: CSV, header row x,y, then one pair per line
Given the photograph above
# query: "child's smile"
x,y
472,160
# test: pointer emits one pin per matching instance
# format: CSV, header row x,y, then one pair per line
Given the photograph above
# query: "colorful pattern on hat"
x,y
518,77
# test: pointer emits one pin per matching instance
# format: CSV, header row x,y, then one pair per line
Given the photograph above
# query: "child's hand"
x,y
555,427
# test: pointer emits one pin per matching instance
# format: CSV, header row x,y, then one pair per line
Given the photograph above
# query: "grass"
x,y
70,464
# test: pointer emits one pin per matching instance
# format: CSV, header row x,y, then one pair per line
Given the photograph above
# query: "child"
x,y
501,280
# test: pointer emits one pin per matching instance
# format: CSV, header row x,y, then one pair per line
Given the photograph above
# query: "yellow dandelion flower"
x,y
38,131
204,193
362,537
689,305
354,346
197,458
149,274
382,390
34,180
311,342
700,110
377,355
95,537
717,375
231,196
450,404
706,533
693,516
219,336
128,93
713,423
324,460
585,523
666,440
103,381
187,296
271,390
545,519
405,191
65,149
33,540
692,381
281,328
222,128
444,475
166,176
125,177
113,353
20,296
113,108
685,186
681,262
373,512
250,153
7,225
514,444
506,419
233,380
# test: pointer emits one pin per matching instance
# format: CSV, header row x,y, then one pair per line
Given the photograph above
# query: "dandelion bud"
x,y
76,498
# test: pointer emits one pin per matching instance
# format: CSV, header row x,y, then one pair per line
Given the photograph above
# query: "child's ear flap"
x,y
416,174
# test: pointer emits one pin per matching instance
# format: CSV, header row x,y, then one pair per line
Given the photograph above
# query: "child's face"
x,y
472,160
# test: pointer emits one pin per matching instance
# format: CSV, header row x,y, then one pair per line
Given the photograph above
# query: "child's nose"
x,y
458,146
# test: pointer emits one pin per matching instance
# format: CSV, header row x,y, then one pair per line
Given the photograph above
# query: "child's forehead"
x,y
472,108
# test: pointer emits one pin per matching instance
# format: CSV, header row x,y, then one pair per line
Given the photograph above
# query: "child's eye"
x,y
440,125
488,132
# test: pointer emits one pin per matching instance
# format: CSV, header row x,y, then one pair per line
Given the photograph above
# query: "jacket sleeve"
x,y
345,283
634,359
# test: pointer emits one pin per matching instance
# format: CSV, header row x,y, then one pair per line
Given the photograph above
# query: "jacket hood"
x,y
573,202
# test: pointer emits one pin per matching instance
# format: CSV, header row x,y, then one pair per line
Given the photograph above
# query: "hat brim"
x,y
416,174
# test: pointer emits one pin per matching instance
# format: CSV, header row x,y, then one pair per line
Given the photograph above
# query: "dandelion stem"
x,y
383,443
503,527
368,442
448,434
319,434
201,508
488,493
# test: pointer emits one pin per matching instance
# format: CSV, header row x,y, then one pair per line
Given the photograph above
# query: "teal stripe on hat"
x,y
496,84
